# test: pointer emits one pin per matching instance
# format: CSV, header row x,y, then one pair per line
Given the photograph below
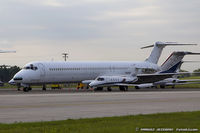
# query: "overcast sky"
x,y
112,30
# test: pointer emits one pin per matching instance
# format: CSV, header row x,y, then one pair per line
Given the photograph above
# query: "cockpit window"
x,y
100,79
31,67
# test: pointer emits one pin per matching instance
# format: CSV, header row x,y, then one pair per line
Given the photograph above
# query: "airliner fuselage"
x,y
75,72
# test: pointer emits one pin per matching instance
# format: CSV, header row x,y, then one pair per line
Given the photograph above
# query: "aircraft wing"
x,y
168,84
150,78
189,80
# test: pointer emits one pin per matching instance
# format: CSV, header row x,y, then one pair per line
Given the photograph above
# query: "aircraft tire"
x,y
99,89
29,88
25,89
109,89
137,87
44,88
123,88
126,88
162,86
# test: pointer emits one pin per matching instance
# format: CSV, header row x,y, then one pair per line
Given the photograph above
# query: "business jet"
x,y
95,74
175,57
168,82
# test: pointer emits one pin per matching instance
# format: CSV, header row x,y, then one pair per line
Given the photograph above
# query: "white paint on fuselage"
x,y
66,72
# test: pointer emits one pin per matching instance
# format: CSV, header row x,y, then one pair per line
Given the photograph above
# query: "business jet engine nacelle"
x,y
168,81
102,81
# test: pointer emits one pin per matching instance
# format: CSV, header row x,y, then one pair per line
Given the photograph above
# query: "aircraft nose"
x,y
93,84
12,82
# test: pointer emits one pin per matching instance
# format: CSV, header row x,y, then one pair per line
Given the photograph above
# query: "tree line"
x,y
7,72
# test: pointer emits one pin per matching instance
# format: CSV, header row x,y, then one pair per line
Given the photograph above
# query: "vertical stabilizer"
x,y
174,62
157,50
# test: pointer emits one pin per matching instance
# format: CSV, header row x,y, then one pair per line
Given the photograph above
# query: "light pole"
x,y
65,56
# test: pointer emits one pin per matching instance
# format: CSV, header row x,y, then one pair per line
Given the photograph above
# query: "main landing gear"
x,y
18,87
109,89
99,89
44,88
123,88
26,89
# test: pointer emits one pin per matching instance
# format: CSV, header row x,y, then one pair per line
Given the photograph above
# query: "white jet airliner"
x,y
96,74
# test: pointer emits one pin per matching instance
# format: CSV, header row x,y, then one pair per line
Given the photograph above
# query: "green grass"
x,y
6,85
124,124
192,77
188,86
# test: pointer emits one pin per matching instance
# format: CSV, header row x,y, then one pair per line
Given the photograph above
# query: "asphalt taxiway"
x,y
27,107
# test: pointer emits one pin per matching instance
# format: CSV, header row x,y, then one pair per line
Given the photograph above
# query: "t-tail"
x,y
174,62
158,48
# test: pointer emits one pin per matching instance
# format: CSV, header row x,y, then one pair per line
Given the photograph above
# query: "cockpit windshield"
x,y
100,79
31,67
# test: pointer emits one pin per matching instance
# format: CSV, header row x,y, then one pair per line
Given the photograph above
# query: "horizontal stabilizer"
x,y
190,61
3,51
163,44
147,46
191,53
183,83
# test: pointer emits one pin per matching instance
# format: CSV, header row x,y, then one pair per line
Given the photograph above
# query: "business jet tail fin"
x,y
174,61
157,50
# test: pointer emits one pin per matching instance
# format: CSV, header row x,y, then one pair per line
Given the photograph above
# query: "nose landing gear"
x,y
123,88
26,89
109,88
44,88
